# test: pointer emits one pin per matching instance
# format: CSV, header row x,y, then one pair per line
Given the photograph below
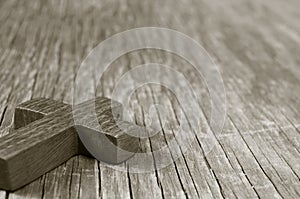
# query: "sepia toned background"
x,y
256,45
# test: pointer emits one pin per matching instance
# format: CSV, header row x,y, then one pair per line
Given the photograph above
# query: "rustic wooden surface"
x,y
254,43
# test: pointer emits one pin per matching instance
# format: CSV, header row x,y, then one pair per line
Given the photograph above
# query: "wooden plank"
x,y
2,194
255,45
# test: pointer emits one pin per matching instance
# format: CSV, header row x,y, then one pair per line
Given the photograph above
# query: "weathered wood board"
x,y
256,45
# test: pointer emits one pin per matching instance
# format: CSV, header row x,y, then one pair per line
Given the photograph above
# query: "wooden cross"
x,y
45,136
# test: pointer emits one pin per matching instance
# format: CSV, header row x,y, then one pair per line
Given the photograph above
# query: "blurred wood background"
x,y
256,45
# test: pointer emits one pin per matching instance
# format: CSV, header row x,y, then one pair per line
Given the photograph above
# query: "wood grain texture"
x,y
256,47
46,136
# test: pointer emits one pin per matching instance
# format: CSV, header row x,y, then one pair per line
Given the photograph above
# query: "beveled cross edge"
x,y
39,142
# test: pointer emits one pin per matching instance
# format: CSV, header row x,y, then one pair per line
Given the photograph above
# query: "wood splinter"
x,y
45,136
